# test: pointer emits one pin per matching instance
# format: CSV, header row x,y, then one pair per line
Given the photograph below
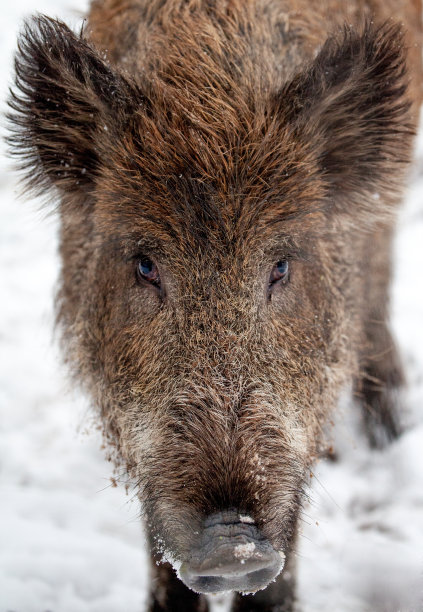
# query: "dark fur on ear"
x,y
351,104
67,100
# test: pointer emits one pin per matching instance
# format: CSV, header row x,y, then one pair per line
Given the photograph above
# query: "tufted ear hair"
x,y
351,107
67,104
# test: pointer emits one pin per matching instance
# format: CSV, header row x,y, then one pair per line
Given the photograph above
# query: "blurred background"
x,y
70,541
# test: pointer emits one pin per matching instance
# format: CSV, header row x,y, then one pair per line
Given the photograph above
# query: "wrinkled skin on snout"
x,y
225,243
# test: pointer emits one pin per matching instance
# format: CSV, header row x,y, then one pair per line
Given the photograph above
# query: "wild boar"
x,y
227,174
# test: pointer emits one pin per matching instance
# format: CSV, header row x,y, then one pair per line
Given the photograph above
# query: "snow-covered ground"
x,y
71,542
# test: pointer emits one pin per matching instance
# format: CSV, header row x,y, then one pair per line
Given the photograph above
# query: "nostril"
x,y
231,556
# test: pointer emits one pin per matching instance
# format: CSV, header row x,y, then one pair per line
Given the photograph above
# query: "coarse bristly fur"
x,y
216,138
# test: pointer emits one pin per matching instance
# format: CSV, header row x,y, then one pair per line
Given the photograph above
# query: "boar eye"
x,y
280,272
148,271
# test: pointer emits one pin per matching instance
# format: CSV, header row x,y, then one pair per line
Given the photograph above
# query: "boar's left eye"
x,y
280,272
148,271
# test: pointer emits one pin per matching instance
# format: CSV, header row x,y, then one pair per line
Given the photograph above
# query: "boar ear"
x,y
66,98
351,107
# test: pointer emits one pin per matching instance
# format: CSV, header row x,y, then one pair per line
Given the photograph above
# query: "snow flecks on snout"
x,y
243,552
246,519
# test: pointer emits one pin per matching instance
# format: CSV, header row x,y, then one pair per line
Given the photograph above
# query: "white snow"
x,y
244,551
72,542
244,518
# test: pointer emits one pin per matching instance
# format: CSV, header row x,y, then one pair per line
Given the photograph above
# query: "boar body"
x,y
227,175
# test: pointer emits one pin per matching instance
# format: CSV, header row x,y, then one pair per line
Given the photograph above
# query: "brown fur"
x,y
217,138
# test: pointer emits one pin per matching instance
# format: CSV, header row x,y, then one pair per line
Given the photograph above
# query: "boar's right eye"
x,y
147,271
280,272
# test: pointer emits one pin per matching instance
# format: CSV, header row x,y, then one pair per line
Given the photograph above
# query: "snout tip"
x,y
233,575
232,557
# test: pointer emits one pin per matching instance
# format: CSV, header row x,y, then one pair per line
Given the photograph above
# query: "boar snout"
x,y
231,555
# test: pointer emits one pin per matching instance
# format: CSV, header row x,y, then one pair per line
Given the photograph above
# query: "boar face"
x,y
212,276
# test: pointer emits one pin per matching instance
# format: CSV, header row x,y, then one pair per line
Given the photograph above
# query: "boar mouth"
x,y
231,555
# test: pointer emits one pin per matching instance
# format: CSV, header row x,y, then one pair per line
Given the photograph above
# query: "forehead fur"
x,y
222,174
215,146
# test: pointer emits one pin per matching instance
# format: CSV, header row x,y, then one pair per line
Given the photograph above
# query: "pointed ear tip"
x,y
41,22
379,47
39,31
370,34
